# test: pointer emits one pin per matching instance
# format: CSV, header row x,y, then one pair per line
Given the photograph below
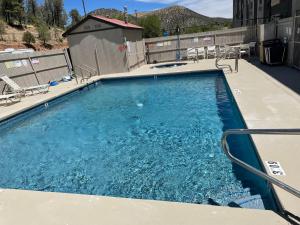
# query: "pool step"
x,y
252,202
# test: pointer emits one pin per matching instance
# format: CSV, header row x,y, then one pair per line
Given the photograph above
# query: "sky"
x,y
212,8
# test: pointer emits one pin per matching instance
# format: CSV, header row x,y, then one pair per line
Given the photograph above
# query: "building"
x,y
105,45
251,12
254,12
285,8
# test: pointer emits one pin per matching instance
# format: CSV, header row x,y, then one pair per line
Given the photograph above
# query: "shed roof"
x,y
115,22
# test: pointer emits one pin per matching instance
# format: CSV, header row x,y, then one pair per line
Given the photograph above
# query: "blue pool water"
x,y
137,138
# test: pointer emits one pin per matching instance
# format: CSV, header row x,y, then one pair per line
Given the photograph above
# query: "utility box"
x,y
272,52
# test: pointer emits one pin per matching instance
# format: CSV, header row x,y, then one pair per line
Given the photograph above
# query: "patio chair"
x,y
201,52
211,51
221,51
44,88
252,48
244,50
191,53
229,52
16,97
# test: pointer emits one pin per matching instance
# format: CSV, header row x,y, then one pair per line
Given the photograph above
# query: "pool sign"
x,y
275,168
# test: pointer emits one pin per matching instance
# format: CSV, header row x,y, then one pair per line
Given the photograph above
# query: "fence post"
x,y
34,71
97,60
126,53
67,60
136,52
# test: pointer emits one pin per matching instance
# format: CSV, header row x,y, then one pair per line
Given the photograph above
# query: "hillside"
x,y
13,39
184,17
170,17
112,13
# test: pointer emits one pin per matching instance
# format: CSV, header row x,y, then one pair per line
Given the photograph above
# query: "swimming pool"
x,y
149,138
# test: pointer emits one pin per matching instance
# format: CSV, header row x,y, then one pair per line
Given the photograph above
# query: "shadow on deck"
x,y
288,76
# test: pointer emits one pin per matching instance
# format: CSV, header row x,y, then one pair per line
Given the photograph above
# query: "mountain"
x,y
170,17
112,13
178,15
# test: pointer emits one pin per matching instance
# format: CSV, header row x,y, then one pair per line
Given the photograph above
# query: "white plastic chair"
x,y
201,52
211,51
191,53
230,52
244,50
221,51
252,47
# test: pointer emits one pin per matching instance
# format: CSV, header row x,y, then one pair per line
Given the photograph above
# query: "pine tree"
x,y
32,11
44,33
2,29
54,13
13,10
75,16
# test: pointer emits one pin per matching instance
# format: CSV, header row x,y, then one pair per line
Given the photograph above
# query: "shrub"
x,y
2,29
44,33
28,38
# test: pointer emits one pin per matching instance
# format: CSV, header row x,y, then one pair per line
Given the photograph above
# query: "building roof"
x,y
115,22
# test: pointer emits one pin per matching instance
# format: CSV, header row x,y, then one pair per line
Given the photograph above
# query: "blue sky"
x,y
213,8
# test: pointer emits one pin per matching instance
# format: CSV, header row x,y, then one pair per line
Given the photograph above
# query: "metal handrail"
x,y
82,75
221,56
251,169
224,65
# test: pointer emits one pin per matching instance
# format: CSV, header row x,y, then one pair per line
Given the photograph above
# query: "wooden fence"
x,y
34,68
164,49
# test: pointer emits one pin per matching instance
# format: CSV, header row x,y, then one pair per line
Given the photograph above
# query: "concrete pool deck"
x,y
263,102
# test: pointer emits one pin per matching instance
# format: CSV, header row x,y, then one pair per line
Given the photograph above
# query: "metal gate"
x,y
296,60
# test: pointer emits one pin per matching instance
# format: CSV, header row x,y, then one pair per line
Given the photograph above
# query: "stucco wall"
x,y
102,47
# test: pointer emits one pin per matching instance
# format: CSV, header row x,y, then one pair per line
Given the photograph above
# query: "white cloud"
x,y
212,8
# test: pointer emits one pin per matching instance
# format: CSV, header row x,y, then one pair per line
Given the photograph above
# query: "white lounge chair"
x,y
44,88
211,51
10,97
201,52
191,53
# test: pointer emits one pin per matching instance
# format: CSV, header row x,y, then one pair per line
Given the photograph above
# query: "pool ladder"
x,y
251,169
85,68
222,56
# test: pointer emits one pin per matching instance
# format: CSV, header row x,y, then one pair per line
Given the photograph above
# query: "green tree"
x,y
75,16
54,13
63,19
193,29
47,12
151,25
28,38
32,11
2,29
44,33
13,10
